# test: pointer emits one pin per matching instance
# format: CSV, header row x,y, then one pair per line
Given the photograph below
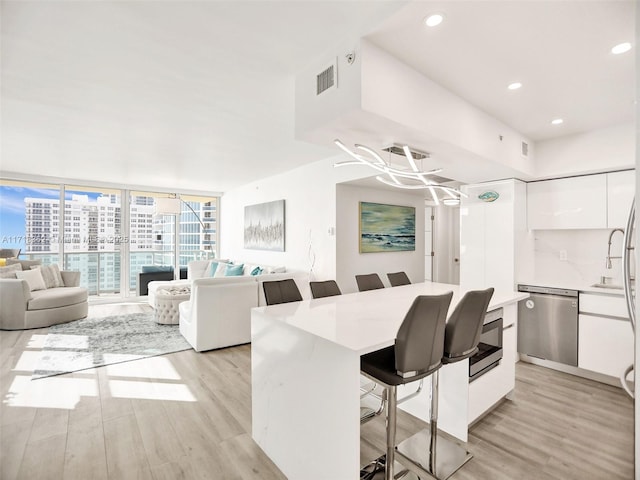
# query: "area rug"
x,y
94,342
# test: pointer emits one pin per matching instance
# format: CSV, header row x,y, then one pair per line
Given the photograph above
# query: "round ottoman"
x,y
166,304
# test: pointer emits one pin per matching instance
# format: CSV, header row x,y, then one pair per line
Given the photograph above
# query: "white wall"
x,y
601,150
312,208
309,194
350,261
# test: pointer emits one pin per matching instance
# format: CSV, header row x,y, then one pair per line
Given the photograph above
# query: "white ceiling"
x,y
200,95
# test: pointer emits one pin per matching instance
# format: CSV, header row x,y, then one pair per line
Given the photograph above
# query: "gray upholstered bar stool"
x,y
327,288
397,279
281,291
426,452
416,353
370,281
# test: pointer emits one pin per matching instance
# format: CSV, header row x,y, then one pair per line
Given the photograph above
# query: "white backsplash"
x,y
586,253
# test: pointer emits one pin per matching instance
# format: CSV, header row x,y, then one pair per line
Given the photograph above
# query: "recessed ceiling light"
x,y
621,48
557,121
514,86
433,20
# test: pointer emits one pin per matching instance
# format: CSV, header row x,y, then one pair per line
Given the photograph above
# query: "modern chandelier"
x,y
413,179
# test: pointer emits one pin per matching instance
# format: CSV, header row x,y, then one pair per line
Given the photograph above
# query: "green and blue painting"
x,y
387,228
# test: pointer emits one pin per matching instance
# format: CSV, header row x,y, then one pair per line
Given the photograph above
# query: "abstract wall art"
x,y
264,226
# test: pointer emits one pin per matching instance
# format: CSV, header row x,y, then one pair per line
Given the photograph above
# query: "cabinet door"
x,y
620,192
605,345
577,202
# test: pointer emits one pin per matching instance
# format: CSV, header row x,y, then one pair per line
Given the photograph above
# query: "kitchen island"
x,y
305,364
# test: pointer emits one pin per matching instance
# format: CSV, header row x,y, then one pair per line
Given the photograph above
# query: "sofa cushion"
x,y
51,275
26,264
10,271
33,278
234,270
57,297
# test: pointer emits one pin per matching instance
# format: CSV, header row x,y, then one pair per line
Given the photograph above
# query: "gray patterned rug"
x,y
94,342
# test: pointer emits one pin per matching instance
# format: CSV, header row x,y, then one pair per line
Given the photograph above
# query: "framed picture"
x,y
387,228
264,226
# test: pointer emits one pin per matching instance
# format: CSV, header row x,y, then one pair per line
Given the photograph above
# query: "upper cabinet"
x,y
589,201
576,202
620,192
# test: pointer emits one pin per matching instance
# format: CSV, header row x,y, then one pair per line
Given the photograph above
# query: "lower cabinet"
x,y
491,387
605,344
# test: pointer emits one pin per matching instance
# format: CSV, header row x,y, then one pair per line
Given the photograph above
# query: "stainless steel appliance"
x,y
548,324
490,346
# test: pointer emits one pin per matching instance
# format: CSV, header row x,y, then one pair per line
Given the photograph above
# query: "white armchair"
x,y
218,313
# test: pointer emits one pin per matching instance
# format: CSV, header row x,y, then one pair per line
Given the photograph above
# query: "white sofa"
x,y
218,313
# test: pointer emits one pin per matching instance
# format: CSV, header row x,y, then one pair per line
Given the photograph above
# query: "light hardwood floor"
x,y
187,415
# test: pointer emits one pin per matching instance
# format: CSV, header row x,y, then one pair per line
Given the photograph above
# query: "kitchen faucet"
x,y
609,257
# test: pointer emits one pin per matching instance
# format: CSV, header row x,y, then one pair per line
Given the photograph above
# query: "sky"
x,y
12,214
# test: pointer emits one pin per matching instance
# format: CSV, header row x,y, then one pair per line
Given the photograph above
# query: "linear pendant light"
x,y
394,176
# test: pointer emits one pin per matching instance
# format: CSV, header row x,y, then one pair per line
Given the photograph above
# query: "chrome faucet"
x,y
609,257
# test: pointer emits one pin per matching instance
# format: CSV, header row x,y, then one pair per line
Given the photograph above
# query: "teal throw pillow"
x,y
256,271
234,270
214,266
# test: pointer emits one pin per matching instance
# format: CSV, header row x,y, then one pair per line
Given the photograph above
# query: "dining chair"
x,y
370,281
397,279
281,291
327,288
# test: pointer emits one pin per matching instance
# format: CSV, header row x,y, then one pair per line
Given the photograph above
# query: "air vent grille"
x,y
525,149
325,79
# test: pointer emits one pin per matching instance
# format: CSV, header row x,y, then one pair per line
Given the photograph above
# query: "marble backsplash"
x,y
576,257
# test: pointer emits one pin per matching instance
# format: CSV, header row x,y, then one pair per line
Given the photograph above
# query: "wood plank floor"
x,y
188,416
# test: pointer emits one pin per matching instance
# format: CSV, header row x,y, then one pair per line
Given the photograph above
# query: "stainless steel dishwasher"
x,y
548,324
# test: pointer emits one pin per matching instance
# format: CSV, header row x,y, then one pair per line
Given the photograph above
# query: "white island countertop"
x,y
367,321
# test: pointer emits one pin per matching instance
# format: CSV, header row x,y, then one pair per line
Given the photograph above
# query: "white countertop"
x,y
367,321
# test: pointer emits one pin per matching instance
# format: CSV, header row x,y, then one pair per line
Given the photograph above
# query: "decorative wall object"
x,y
387,228
264,226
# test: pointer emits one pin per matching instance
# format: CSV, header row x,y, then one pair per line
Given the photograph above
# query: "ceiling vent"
x,y
327,79
525,149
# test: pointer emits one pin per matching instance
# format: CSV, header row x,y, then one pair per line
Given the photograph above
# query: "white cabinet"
x,y
605,338
576,202
620,192
498,382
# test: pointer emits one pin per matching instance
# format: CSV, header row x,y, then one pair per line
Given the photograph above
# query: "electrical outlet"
x,y
562,255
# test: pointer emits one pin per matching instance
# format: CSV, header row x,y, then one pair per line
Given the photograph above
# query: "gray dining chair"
x,y
326,288
397,279
281,291
370,281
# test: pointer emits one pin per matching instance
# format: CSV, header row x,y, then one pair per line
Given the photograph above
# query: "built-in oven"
x,y
490,347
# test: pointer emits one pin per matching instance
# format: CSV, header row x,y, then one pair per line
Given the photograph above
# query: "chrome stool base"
x,y
413,453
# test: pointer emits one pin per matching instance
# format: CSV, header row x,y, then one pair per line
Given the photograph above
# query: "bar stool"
x,y
370,281
327,288
281,291
397,279
416,353
426,452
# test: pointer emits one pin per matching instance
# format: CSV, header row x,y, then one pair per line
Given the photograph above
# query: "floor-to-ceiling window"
x,y
108,234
